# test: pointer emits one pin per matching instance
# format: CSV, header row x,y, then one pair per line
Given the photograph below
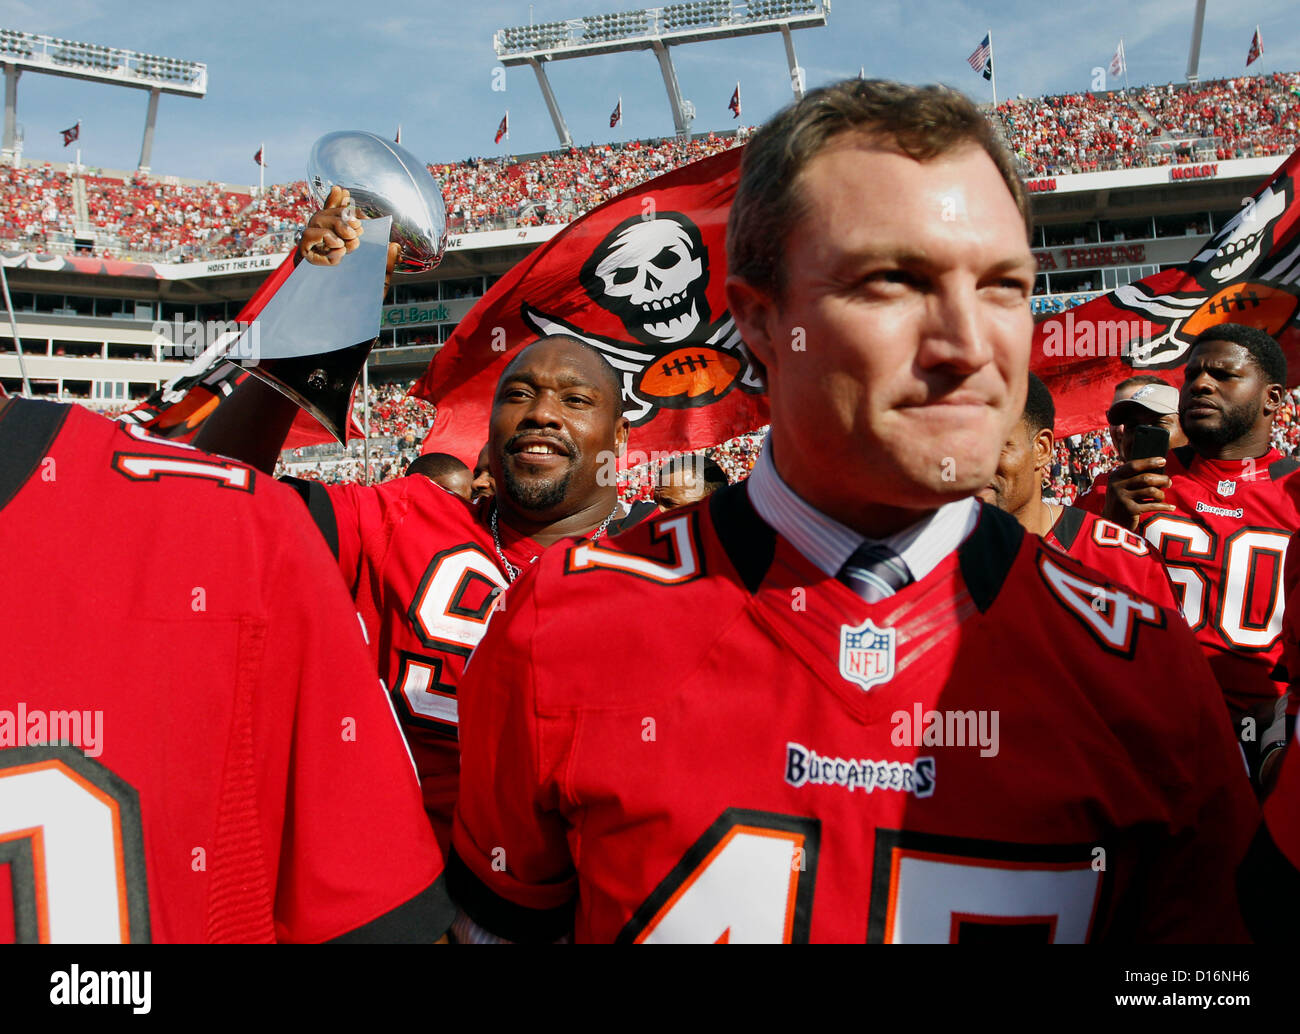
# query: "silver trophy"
x,y
384,180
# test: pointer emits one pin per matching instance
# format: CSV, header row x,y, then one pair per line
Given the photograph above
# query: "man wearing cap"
x,y
1144,399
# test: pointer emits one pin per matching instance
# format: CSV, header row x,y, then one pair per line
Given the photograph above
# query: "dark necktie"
x,y
874,572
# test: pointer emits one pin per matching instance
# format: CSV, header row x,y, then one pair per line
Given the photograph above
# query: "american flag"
x,y
982,59
1256,47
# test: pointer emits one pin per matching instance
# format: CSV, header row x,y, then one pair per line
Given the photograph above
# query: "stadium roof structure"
x,y
656,29
110,66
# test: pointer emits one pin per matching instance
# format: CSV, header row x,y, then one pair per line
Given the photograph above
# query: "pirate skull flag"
x,y
640,279
1248,272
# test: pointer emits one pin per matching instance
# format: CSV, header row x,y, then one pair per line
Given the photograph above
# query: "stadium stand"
x,y
160,219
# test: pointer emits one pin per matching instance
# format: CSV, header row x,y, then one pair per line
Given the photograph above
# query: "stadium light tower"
x,y
28,52
656,29
1194,53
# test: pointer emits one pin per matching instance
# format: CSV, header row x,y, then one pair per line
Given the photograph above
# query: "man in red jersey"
x,y
423,566
187,753
879,710
1016,489
1221,512
1144,399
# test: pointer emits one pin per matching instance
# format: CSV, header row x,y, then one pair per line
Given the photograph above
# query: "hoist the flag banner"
x,y
1248,272
639,279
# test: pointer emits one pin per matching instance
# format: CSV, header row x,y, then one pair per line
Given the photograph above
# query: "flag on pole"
x,y
398,139
616,116
687,380
258,159
1248,272
503,130
71,134
982,59
734,103
1117,67
1256,48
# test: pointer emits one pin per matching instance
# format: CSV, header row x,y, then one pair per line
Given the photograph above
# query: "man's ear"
x,y
622,428
1274,398
754,311
1044,448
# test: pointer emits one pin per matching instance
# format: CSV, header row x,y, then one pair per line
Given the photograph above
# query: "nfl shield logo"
x,y
866,654
1227,487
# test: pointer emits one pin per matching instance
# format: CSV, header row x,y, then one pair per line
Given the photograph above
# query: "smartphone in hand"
x,y
1149,441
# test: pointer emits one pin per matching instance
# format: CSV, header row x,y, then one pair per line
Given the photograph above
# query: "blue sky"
x,y
286,73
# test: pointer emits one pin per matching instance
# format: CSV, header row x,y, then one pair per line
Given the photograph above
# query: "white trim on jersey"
x,y
828,544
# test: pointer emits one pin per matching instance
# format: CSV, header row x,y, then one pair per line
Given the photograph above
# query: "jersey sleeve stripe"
x,y
503,918
422,919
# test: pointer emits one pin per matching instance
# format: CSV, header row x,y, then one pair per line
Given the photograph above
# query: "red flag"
x,y
640,279
1248,272
1256,48
176,409
257,158
616,116
72,134
503,130
734,103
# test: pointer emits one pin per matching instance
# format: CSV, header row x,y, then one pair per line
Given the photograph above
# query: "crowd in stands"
x,y
1250,116
395,414
37,203
163,220
1078,132
560,186
148,215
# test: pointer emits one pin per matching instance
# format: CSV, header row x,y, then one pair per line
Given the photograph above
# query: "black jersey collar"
x,y
28,428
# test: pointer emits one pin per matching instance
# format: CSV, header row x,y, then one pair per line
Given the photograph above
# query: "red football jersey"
x,y
241,775
1093,499
422,566
986,755
1224,549
1121,555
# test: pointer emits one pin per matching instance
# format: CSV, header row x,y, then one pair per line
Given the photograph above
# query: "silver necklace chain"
x,y
512,572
